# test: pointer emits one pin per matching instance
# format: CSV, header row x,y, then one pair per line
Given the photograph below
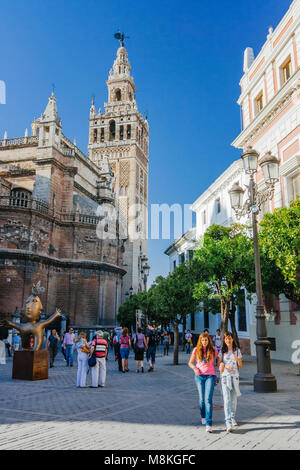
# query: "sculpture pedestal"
x,y
30,365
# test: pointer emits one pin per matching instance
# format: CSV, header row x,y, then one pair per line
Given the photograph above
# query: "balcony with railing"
x,y
37,205
32,140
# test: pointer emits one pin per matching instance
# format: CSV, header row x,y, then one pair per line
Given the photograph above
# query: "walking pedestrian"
x,y
166,342
52,346
217,339
83,350
69,341
125,345
99,347
188,339
8,346
230,360
116,342
17,342
139,348
151,347
62,346
106,336
205,376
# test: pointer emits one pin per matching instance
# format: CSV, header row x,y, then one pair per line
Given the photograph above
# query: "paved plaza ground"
x,y
151,411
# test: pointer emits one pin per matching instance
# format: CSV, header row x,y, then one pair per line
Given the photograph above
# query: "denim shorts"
x,y
151,353
124,353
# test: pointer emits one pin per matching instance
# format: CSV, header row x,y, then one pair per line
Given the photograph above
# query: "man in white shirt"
x,y
69,341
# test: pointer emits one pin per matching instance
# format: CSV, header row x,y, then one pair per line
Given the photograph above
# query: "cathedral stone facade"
x,y
75,222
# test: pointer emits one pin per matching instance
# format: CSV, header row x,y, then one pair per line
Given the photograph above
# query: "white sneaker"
x,y
234,423
208,429
203,421
229,428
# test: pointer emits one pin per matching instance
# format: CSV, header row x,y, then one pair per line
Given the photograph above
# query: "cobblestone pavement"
x,y
153,411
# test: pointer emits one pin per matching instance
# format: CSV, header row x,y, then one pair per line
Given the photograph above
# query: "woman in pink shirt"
x,y
125,345
205,376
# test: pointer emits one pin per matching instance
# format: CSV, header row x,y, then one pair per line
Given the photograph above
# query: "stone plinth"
x,y
30,365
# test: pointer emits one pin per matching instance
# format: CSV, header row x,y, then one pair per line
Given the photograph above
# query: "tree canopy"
x,y
279,239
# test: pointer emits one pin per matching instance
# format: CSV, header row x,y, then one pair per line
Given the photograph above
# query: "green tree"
x,y
174,300
222,266
127,312
279,240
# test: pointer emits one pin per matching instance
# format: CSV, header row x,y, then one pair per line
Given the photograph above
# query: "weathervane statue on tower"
x,y
121,36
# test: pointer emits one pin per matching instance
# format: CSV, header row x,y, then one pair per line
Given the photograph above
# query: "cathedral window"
x,y
118,95
121,132
102,134
128,131
112,130
95,135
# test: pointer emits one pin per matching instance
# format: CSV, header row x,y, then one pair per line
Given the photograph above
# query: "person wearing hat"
x,y
99,348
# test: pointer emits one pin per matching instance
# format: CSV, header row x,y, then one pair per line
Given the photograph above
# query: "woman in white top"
x,y
82,358
231,361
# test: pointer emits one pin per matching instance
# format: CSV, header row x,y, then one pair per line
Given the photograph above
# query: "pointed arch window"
x,y
118,95
95,135
102,134
112,130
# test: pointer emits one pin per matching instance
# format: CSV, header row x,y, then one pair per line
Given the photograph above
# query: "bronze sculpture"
x,y
33,327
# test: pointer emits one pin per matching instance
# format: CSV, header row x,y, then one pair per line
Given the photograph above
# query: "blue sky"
x,y
186,58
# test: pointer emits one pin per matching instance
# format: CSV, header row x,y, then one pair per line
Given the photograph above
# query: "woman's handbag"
x,y
85,348
92,361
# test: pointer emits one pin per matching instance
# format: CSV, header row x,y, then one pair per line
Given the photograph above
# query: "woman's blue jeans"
x,y
205,385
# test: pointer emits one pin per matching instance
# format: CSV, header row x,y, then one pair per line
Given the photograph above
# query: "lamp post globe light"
x,y
264,380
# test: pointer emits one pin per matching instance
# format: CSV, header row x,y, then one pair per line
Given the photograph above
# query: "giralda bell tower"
x,y
122,134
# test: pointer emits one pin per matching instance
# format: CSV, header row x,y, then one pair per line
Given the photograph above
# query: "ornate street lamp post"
x,y
264,380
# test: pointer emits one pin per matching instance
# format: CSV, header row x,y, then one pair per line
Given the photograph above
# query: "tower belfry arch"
x,y
122,134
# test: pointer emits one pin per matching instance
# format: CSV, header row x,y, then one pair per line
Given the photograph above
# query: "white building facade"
x,y
270,102
213,207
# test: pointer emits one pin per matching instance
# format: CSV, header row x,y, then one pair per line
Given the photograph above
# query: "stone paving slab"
x,y
150,411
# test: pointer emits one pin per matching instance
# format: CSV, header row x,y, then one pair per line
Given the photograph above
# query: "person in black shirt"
x,y
151,347
52,345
